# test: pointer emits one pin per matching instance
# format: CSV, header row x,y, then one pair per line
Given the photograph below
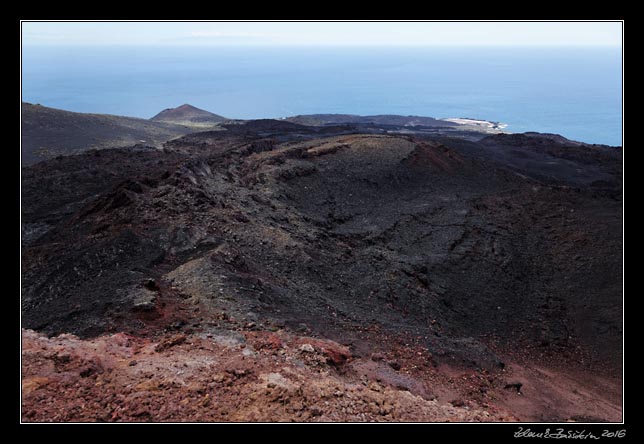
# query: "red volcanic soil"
x,y
258,375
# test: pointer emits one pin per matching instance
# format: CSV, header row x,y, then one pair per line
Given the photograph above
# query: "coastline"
x,y
487,125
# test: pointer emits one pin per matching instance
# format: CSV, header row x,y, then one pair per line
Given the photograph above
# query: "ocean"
x,y
575,92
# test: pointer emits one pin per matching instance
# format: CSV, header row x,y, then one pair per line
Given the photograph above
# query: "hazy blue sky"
x,y
326,33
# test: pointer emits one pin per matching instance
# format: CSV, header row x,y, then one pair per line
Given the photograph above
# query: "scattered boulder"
x,y
514,386
170,342
144,300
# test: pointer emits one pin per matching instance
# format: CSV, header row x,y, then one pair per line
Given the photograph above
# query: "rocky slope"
x,y
220,376
49,132
426,258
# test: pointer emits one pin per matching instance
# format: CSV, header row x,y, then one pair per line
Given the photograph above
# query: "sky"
x,y
322,33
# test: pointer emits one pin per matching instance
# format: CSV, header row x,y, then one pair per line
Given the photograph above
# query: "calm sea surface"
x,y
574,92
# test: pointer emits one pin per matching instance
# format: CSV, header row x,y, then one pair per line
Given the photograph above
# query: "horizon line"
x,y
316,45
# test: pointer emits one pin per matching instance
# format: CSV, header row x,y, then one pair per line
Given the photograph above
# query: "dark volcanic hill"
x,y
495,257
188,115
49,132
